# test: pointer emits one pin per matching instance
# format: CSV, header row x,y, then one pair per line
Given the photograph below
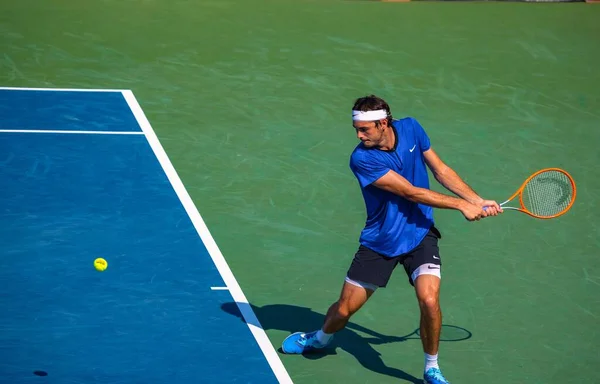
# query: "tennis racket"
x,y
546,194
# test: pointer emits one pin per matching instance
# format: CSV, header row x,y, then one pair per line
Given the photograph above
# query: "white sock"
x,y
431,361
324,337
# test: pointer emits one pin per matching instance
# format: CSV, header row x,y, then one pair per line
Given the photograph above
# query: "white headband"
x,y
369,115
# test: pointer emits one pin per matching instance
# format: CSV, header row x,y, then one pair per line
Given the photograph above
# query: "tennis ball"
x,y
100,264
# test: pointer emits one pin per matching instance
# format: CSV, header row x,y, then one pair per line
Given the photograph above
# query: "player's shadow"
x,y
291,318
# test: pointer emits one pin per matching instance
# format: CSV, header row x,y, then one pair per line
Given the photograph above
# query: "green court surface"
x,y
251,101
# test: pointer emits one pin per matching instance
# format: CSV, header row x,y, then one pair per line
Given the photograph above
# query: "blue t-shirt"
x,y
394,224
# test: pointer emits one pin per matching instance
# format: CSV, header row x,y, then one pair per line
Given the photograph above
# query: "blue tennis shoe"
x,y
434,376
300,342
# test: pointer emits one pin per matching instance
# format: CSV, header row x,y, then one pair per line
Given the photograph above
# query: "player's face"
x,y
369,133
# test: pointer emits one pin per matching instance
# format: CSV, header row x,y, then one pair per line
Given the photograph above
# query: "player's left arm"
x,y
447,177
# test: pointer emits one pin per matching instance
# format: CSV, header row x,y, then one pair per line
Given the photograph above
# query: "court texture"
x,y
202,147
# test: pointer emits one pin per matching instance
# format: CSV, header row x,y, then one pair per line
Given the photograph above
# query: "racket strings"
x,y
548,193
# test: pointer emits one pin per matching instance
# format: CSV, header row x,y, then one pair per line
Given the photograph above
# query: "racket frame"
x,y
519,192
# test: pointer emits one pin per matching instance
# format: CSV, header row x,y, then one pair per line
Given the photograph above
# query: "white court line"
x,y
74,132
60,89
219,288
216,255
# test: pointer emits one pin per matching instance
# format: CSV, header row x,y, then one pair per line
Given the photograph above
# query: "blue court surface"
x,y
84,176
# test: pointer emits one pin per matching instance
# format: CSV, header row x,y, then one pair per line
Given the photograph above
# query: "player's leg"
x,y
423,266
368,271
427,289
353,296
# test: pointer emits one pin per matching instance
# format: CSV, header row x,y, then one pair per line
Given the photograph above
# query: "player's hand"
x,y
472,212
491,207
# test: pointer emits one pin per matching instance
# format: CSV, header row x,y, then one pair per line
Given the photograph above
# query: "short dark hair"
x,y
372,103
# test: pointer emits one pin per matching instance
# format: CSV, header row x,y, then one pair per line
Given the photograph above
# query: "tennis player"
x,y
390,164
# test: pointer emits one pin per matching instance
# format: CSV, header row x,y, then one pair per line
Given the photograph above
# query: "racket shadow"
x,y
448,333
291,318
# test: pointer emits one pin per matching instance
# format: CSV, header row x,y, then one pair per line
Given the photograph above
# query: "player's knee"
x,y
427,289
343,310
429,302
348,306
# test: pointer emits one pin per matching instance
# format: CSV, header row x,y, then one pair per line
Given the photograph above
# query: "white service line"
x,y
60,89
69,132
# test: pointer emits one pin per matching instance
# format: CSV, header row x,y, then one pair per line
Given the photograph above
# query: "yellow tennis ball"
x,y
100,264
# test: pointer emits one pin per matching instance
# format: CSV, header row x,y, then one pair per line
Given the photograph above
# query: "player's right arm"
x,y
395,183
370,170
